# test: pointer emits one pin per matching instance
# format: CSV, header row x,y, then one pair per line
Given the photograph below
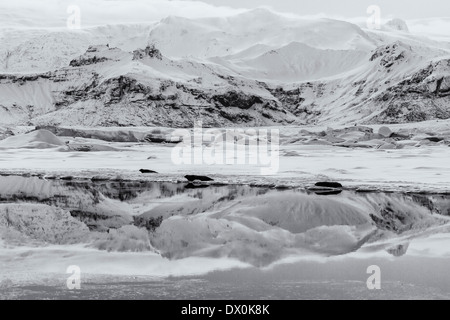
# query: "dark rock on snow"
x,y
199,178
335,185
147,171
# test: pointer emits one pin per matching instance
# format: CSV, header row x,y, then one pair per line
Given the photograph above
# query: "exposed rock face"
x,y
150,51
86,61
237,99
90,57
423,96
391,54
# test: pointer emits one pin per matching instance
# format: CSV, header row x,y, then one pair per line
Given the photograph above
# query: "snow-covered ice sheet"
x,y
407,167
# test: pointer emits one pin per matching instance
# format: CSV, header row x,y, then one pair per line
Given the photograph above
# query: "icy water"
x,y
160,240
422,278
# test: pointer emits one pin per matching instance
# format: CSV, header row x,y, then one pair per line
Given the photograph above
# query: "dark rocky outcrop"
x,y
417,98
87,61
149,51
237,99
391,54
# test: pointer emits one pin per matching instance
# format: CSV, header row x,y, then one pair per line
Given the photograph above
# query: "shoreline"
x,y
220,180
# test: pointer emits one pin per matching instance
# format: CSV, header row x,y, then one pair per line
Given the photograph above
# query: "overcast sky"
x,y
405,9
53,13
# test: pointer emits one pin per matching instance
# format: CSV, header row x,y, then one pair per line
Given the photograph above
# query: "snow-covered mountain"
x,y
248,69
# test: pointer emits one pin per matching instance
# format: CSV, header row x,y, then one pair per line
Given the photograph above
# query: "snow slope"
x,y
252,68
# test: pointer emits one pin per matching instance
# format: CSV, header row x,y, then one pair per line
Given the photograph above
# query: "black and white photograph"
x,y
224,150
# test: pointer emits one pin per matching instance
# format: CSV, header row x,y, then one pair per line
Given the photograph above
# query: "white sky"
x,y
405,9
53,13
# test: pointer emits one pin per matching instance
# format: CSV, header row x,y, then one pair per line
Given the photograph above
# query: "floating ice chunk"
x,y
39,139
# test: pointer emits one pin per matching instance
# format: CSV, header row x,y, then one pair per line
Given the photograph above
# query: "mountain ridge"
x,y
316,71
